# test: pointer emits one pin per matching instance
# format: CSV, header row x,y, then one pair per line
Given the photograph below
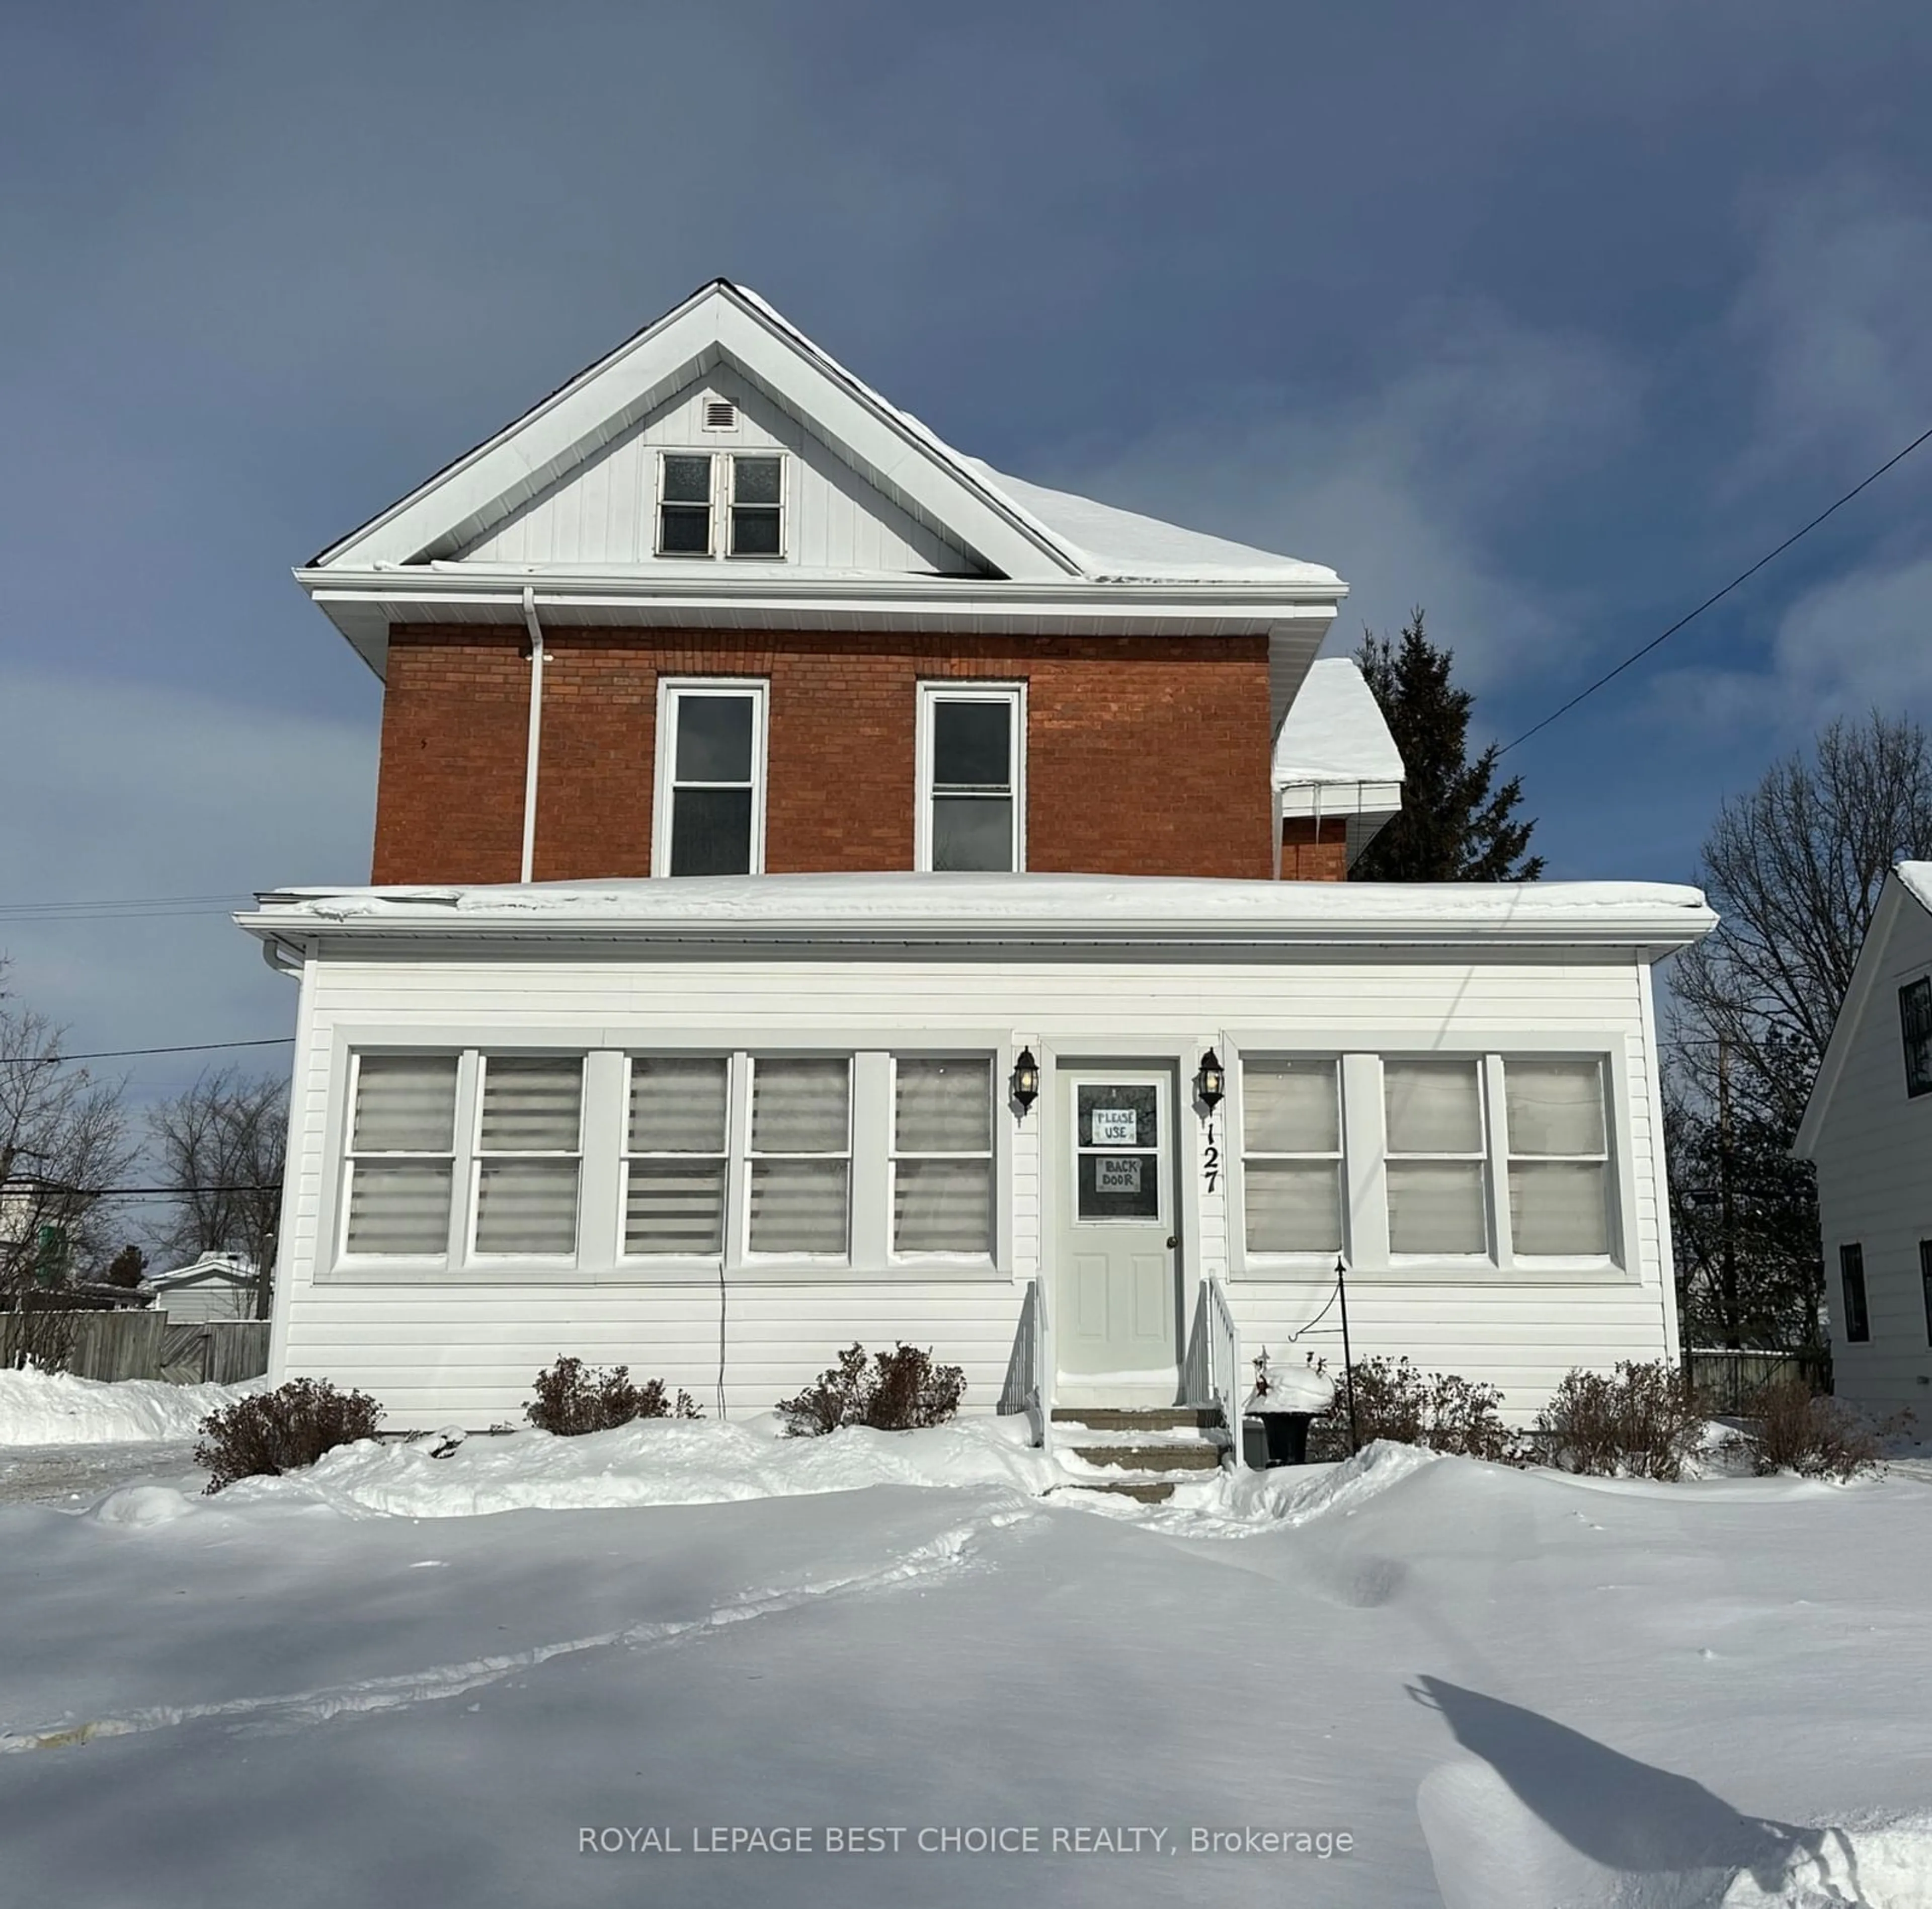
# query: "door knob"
x,y
1173,1240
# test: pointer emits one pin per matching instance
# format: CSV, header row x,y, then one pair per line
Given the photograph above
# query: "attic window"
x,y
720,414
745,490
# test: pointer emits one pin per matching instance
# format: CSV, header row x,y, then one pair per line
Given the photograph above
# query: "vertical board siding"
x,y
603,511
438,1353
1874,1189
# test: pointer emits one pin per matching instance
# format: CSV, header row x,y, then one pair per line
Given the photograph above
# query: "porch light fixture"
x,y
1026,1079
1211,1083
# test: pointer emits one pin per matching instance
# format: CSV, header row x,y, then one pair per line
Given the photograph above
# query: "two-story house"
x,y
828,890
1867,1130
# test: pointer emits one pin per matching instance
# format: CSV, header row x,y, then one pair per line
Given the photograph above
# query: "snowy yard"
x,y
1505,1689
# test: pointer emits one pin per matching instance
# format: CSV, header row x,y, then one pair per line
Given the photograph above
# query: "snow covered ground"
x,y
1505,1689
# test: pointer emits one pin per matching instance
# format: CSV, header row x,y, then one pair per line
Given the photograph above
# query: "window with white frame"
x,y
743,492
798,1198
529,1139
971,777
942,1155
710,792
677,1154
401,1162
1437,1156
1559,1156
1291,1155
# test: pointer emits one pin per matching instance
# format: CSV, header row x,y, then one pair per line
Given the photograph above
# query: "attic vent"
x,y
720,414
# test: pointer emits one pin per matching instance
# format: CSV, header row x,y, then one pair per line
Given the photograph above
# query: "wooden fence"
x,y
1730,1380
143,1345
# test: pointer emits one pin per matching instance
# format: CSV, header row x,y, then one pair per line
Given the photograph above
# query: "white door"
x,y
1117,1317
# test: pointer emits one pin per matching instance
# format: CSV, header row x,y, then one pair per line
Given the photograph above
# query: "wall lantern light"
x,y
1026,1079
1211,1083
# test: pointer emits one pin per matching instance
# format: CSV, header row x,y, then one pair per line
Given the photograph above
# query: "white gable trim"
x,y
718,323
1896,895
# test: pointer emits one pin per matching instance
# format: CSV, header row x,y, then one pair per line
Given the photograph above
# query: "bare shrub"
x,y
573,1398
1637,1422
272,1432
1394,1399
902,1390
1819,1437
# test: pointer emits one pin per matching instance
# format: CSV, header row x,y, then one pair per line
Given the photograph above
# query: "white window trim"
x,y
730,488
476,1062
714,455
670,688
1365,1157
1302,1262
748,1158
961,690
350,1157
1494,1249
1507,1156
991,1155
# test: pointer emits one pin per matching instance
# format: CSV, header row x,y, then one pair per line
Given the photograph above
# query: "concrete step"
x,y
1149,1491
1192,1455
1137,1418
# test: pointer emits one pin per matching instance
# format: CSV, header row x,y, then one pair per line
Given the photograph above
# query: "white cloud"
x,y
1408,491
116,789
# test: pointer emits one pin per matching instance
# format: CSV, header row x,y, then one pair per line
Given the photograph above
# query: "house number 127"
x,y
1210,1161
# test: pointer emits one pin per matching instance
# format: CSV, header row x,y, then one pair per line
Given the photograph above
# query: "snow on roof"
x,y
1114,546
1335,731
210,1266
1917,877
1027,909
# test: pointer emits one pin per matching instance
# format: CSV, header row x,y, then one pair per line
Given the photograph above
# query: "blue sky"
x,y
1549,317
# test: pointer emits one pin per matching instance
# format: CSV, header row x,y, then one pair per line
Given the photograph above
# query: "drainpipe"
x,y
536,629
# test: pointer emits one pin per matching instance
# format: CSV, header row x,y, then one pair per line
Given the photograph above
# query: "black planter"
x,y
1287,1436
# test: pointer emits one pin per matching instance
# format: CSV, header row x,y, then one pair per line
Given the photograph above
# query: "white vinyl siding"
x,y
943,1155
1437,1156
1291,1155
401,1166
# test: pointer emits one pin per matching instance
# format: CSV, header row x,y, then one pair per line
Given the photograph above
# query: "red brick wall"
x,y
1144,756
1314,851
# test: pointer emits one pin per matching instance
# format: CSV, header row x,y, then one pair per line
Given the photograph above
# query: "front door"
x,y
1117,1320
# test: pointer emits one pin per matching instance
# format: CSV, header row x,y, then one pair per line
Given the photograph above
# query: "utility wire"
x,y
128,1053
1637,655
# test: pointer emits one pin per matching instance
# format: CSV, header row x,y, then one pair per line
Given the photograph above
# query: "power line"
x,y
1636,656
125,907
130,1053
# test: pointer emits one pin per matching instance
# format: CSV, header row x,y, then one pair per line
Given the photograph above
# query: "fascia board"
x,y
1892,898
549,439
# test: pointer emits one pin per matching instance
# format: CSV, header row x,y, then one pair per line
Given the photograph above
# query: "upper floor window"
x,y
701,493
710,818
971,746
1915,1021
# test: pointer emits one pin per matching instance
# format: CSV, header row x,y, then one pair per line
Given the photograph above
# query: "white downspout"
x,y
536,629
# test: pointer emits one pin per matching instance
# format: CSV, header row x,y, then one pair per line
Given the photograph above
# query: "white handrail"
x,y
1028,1381
1224,1361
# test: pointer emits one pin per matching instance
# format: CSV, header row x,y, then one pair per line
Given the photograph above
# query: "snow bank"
x,y
656,1461
54,1407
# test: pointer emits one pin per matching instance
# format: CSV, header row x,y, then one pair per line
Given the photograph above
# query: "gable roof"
x,y
230,1268
1048,553
1908,884
1335,731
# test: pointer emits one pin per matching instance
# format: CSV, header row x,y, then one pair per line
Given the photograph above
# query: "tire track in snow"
x,y
372,1696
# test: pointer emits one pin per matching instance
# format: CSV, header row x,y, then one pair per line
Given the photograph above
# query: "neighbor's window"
x,y
1852,1277
943,1155
711,749
1925,1282
1914,1018
971,754
799,1194
1292,1155
676,1154
402,1138
1435,1156
1559,1169
757,506
684,504
530,1152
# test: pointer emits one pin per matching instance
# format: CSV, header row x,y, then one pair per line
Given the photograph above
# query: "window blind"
x,y
528,1137
1559,1166
401,1168
1291,1144
1435,1204
799,1107
674,1203
943,1107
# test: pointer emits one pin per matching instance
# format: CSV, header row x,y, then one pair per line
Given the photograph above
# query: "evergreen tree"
x,y
1454,826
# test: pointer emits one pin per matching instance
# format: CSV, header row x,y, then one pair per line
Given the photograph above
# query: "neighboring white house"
x,y
1868,1131
968,1014
218,1286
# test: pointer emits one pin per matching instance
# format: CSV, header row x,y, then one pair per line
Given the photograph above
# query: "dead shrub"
x,y
264,1435
1637,1422
1395,1399
901,1391
1819,1438
573,1398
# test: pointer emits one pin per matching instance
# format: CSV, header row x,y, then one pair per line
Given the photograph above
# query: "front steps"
x,y
1149,1450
